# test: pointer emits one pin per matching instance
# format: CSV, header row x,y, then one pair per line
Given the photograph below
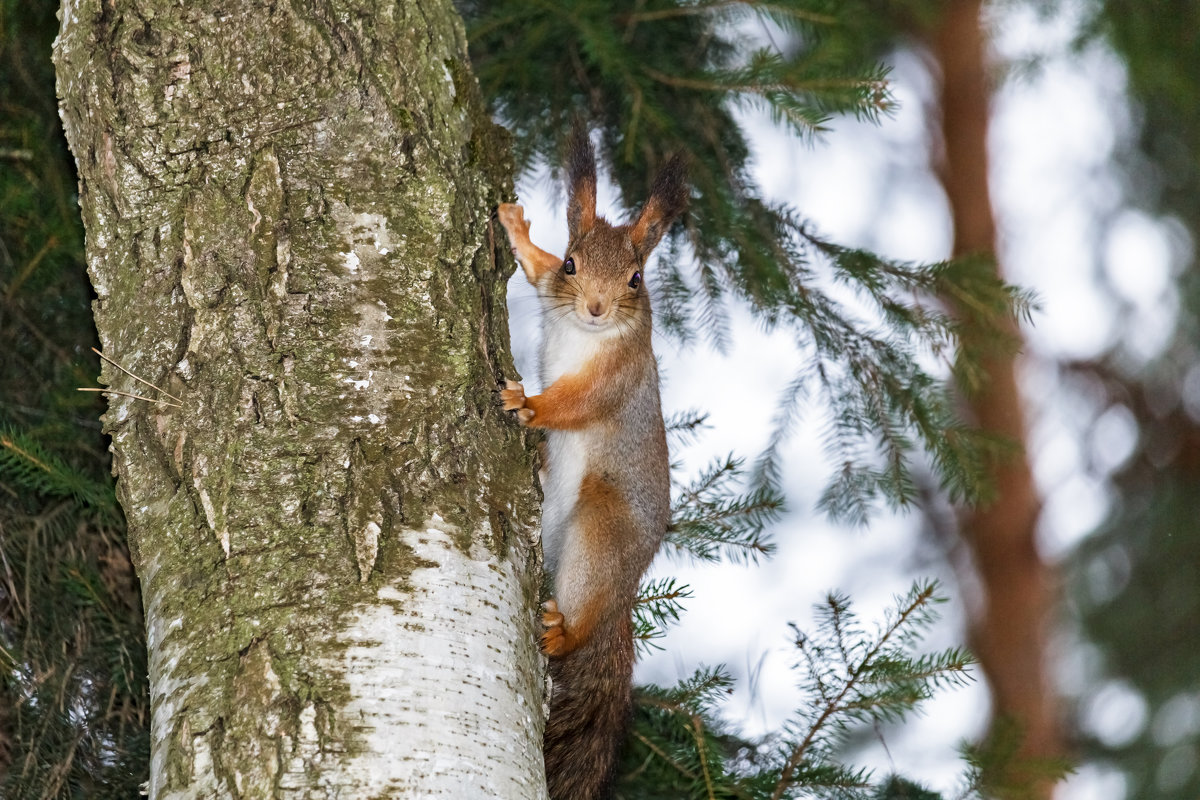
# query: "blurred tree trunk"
x,y
287,215
1010,637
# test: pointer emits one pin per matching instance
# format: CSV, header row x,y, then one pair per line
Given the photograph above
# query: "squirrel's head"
x,y
601,280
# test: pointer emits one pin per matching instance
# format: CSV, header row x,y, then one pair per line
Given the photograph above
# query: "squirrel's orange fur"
x,y
606,483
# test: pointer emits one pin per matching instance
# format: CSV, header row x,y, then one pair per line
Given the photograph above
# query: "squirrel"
x,y
605,477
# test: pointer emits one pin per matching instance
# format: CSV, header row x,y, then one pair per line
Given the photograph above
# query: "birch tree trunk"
x,y
287,210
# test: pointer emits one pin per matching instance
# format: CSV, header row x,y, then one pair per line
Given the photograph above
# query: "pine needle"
x,y
135,377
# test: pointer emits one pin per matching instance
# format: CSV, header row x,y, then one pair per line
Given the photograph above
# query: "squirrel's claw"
x,y
512,217
555,641
512,396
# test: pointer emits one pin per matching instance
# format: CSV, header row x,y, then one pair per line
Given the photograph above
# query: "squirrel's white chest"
x,y
566,349
566,465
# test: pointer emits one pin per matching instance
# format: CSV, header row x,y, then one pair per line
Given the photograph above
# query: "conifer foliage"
x,y
852,676
74,703
655,78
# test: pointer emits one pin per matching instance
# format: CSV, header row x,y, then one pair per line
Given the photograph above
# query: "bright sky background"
x,y
1052,134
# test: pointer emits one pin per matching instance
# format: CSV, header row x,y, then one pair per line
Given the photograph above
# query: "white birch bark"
x,y
287,213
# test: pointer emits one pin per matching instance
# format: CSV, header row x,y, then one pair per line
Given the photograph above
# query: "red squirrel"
x,y
605,481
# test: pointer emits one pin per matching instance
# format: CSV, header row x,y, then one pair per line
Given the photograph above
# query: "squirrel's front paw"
x,y
512,395
555,640
512,217
513,398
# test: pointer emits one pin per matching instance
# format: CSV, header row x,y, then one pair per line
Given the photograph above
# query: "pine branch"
x,y
679,748
860,678
30,468
658,606
716,517
853,676
998,769
684,426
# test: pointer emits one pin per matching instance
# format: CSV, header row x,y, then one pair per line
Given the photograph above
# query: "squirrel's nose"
x,y
595,308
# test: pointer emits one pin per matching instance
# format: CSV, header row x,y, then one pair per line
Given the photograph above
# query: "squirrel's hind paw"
x,y
555,640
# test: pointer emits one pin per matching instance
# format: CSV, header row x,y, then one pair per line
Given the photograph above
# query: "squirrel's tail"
x,y
590,708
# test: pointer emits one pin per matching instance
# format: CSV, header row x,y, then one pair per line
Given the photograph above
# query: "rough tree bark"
x,y
1010,636
287,210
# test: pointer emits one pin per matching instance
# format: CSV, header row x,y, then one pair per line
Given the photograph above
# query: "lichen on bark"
x,y
287,208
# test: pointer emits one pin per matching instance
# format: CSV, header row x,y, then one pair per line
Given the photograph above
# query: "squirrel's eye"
x,y
569,266
635,281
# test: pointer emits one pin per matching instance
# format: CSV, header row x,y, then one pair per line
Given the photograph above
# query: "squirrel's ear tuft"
x,y
667,200
581,183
